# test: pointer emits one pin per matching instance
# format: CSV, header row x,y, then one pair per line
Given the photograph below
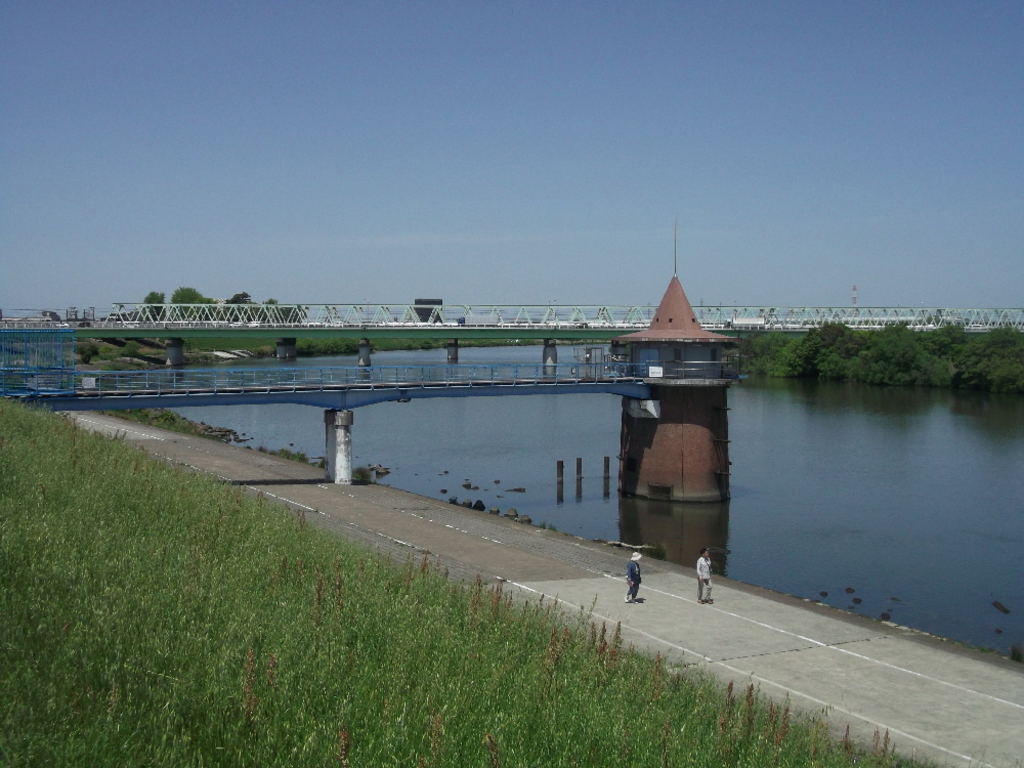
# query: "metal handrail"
x,y
237,380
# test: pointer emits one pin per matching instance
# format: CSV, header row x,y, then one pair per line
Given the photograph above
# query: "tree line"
x,y
187,295
897,356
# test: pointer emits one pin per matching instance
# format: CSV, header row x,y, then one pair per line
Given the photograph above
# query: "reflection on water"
x,y
680,528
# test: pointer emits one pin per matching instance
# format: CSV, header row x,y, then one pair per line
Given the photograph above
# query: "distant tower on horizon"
x,y
855,295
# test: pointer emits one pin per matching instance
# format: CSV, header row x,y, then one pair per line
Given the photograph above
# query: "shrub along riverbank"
x,y
946,357
150,616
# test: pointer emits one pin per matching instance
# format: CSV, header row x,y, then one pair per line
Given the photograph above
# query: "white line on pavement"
x,y
844,650
824,704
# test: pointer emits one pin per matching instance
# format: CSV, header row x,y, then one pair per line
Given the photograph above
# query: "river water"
x,y
889,502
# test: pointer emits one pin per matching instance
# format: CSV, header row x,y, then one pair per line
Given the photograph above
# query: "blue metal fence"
x,y
227,380
37,361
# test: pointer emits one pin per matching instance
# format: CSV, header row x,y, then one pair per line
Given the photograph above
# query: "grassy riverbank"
x,y
150,616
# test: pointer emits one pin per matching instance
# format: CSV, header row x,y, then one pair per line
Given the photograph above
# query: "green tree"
x,y
759,352
895,355
185,295
945,342
992,361
154,309
841,345
800,360
240,298
88,351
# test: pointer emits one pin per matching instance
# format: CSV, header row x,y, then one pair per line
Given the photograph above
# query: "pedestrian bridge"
x,y
338,388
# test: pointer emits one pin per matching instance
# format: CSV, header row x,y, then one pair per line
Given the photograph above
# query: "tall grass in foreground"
x,y
149,616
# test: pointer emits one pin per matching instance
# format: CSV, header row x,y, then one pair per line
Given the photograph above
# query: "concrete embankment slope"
x,y
936,700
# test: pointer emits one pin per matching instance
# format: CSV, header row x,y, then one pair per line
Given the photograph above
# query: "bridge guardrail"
x,y
180,381
229,380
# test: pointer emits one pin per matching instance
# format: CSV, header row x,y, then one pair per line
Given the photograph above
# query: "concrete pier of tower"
x,y
175,352
338,447
550,356
286,349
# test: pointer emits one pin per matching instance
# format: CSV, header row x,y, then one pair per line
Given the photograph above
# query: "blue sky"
x,y
513,152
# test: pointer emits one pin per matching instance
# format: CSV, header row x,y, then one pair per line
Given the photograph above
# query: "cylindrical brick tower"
x,y
675,446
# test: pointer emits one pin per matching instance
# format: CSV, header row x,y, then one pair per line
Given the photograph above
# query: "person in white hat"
x,y
633,577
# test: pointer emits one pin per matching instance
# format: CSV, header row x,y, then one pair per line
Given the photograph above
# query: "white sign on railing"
x,y
655,372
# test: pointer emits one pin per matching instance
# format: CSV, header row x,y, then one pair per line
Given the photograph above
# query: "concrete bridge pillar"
x,y
286,349
453,351
364,353
676,445
339,446
176,352
550,357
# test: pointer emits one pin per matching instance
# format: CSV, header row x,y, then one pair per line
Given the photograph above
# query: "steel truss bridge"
x,y
468,321
338,387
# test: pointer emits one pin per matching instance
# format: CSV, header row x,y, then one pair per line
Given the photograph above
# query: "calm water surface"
x,y
913,499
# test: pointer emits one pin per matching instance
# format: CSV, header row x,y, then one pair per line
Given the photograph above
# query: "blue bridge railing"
x,y
348,387
227,380
36,360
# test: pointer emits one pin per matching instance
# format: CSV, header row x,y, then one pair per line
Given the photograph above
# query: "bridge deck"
x,y
344,387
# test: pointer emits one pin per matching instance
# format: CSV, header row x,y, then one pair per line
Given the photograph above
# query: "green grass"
x,y
151,617
259,345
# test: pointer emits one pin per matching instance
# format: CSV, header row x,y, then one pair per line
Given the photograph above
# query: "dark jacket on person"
x,y
633,571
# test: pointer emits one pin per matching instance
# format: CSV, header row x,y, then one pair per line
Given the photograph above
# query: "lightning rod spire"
x,y
675,250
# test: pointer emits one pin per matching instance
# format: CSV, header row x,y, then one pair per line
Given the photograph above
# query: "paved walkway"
x,y
935,699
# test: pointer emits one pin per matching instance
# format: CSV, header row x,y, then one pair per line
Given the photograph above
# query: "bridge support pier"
x,y
364,353
286,349
339,446
550,356
453,351
676,445
176,352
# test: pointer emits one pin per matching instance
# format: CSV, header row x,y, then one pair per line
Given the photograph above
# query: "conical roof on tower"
x,y
675,320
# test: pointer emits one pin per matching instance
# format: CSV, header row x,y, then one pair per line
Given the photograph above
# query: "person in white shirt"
x,y
704,577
